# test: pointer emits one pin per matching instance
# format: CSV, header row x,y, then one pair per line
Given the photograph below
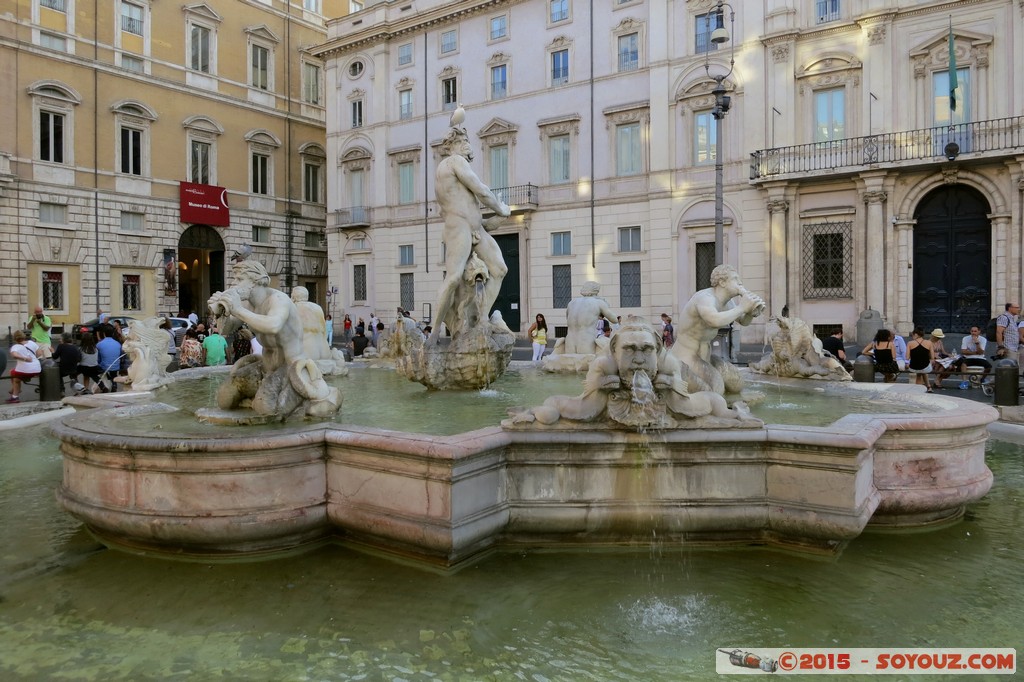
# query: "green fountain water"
x,y
72,610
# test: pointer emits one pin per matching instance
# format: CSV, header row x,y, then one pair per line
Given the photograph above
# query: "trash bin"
x,y
50,386
1007,383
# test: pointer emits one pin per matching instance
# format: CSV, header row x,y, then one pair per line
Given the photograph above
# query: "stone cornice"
x,y
444,14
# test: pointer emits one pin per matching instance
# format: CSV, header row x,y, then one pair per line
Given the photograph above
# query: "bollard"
x,y
50,386
1006,383
864,369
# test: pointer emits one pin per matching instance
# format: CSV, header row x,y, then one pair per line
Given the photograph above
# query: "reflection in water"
x,y
71,610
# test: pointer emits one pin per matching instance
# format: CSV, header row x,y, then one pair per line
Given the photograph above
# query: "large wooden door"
x,y
509,294
952,260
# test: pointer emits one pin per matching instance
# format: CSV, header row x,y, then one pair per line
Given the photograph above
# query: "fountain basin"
x,y
448,499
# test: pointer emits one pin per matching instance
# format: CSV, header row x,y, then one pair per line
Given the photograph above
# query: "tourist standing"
x,y
28,365
329,328
347,329
668,333
193,318
191,352
38,326
215,349
1007,332
539,334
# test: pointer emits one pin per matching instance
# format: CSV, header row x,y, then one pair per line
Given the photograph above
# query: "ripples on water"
x,y
70,610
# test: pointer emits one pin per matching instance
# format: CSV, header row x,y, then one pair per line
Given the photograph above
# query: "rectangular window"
x,y
51,137
705,25
311,182
629,239
200,166
405,104
407,290
406,183
260,174
311,83
131,151
53,290
629,52
357,114
405,255
55,5
313,240
449,42
359,282
941,113
558,161
705,134
703,264
559,10
829,115
449,94
53,42
560,67
260,234
130,63
200,53
131,18
827,10
132,221
405,54
498,166
561,243
499,82
499,27
561,285
131,292
53,214
354,6
260,67
311,5
629,284
628,150
828,260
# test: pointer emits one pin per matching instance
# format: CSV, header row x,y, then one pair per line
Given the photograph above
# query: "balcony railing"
x,y
926,144
518,197
351,218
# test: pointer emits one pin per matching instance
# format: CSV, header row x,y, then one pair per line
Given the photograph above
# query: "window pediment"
x,y
498,58
55,90
628,113
449,71
263,33
203,11
498,131
312,149
262,137
202,124
559,125
559,43
357,158
405,154
133,108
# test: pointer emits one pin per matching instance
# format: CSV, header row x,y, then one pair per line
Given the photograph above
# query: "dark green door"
x,y
952,260
508,296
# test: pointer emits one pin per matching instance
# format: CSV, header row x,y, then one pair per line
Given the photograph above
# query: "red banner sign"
x,y
204,204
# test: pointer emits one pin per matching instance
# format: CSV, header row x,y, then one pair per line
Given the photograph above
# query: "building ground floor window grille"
x,y
629,284
828,260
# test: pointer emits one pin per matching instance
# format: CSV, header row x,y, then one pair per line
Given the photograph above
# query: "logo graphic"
x,y
745,659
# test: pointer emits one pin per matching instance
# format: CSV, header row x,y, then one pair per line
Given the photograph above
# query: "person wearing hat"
x,y
943,360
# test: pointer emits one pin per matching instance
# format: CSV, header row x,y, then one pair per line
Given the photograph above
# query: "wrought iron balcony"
x,y
351,218
926,145
520,198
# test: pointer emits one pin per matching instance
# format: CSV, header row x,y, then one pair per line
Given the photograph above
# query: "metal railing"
x,y
926,144
56,5
518,197
131,25
354,216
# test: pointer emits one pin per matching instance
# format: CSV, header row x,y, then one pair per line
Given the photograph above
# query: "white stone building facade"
x,y
841,192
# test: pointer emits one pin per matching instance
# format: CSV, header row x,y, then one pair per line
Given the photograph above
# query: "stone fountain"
x,y
578,348
796,352
650,448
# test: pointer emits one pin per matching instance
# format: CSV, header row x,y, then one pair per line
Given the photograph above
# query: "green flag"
x,y
953,84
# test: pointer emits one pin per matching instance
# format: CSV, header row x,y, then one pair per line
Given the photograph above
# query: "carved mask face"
x,y
636,350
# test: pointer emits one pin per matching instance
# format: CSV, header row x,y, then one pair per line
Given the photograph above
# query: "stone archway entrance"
x,y
952,260
200,267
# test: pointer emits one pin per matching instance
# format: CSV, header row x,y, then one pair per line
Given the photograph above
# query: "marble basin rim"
x,y
446,500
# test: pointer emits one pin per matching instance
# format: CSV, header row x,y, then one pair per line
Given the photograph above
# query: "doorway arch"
x,y
200,267
952,259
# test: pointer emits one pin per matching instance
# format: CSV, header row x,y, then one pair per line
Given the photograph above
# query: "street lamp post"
x,y
722,104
